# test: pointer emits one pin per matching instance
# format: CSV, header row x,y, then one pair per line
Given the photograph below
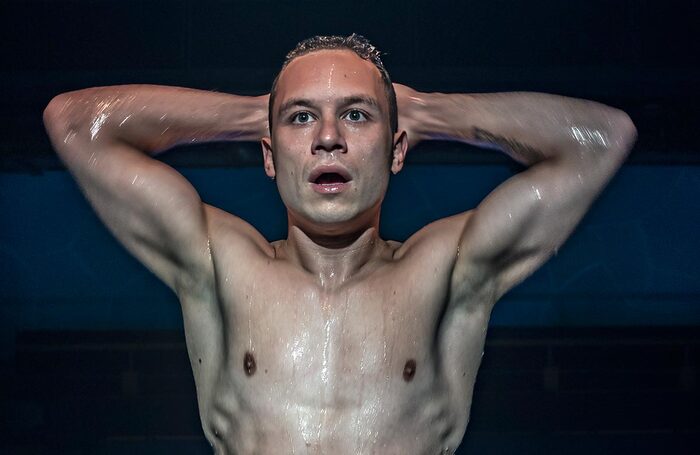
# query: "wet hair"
x,y
356,43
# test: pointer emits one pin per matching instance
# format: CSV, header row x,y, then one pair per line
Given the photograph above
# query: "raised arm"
x,y
105,137
572,148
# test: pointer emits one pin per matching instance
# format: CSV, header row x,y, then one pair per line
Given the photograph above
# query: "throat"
x,y
333,265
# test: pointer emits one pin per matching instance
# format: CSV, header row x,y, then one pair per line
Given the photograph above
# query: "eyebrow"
x,y
345,101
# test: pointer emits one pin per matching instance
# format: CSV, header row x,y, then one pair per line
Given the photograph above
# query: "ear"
x,y
400,149
268,159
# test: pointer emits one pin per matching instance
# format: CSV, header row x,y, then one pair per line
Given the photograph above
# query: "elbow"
x,y
611,140
624,132
56,116
51,113
65,121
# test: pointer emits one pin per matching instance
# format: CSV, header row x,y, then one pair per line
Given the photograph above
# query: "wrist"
x,y
246,118
445,116
261,118
429,109
415,111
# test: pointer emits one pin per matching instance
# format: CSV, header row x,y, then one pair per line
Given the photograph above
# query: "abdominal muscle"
x,y
273,423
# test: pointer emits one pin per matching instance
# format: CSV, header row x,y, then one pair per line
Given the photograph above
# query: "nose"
x,y
329,138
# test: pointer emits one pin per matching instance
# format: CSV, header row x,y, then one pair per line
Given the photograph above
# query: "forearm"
x,y
153,118
530,127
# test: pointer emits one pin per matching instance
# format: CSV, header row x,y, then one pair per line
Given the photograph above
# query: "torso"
x,y
383,363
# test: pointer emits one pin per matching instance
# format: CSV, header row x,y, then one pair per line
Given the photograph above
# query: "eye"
x,y
301,117
356,116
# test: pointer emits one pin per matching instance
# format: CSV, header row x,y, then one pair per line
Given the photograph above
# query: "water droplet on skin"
x,y
96,125
103,112
538,195
66,105
326,353
330,77
250,319
69,137
589,137
124,121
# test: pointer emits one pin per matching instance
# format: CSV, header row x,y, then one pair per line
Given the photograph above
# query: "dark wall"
x,y
631,262
641,56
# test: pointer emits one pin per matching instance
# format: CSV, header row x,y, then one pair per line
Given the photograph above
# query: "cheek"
x,y
288,172
291,150
376,174
294,138
290,182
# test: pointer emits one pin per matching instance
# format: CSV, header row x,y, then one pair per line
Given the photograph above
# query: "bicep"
x,y
527,218
148,206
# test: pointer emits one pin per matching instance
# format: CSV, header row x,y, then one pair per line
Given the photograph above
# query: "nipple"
x,y
409,370
249,364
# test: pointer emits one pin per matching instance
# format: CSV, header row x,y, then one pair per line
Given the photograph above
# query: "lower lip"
x,y
330,188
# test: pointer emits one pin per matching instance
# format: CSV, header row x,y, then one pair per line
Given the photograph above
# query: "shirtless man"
x,y
335,341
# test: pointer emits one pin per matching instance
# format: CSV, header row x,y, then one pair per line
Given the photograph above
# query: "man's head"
x,y
333,134
355,43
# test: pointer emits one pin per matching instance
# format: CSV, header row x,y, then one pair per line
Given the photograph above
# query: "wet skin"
x,y
333,340
294,365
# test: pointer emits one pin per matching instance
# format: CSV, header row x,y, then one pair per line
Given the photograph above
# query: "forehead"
x,y
327,73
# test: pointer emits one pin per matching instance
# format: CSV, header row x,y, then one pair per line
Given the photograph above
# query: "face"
x,y
331,147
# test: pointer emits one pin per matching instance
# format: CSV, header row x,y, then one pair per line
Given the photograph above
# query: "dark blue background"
x,y
571,365
632,261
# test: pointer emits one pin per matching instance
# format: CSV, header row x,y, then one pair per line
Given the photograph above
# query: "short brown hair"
x,y
360,46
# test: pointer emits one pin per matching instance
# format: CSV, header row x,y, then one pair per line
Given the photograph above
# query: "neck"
x,y
333,259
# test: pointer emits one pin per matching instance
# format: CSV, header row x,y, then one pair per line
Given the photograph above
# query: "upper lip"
x,y
329,169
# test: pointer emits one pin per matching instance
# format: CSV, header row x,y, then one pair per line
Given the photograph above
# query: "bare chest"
x,y
379,331
331,365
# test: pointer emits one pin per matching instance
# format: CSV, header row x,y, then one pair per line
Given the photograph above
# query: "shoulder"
x,y
439,237
439,248
432,253
232,244
229,232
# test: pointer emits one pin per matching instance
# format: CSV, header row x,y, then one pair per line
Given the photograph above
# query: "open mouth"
x,y
330,178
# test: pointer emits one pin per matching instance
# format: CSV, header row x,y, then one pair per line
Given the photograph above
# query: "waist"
x,y
284,426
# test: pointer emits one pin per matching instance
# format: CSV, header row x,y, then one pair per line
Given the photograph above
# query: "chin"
x,y
331,217
330,214
327,217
